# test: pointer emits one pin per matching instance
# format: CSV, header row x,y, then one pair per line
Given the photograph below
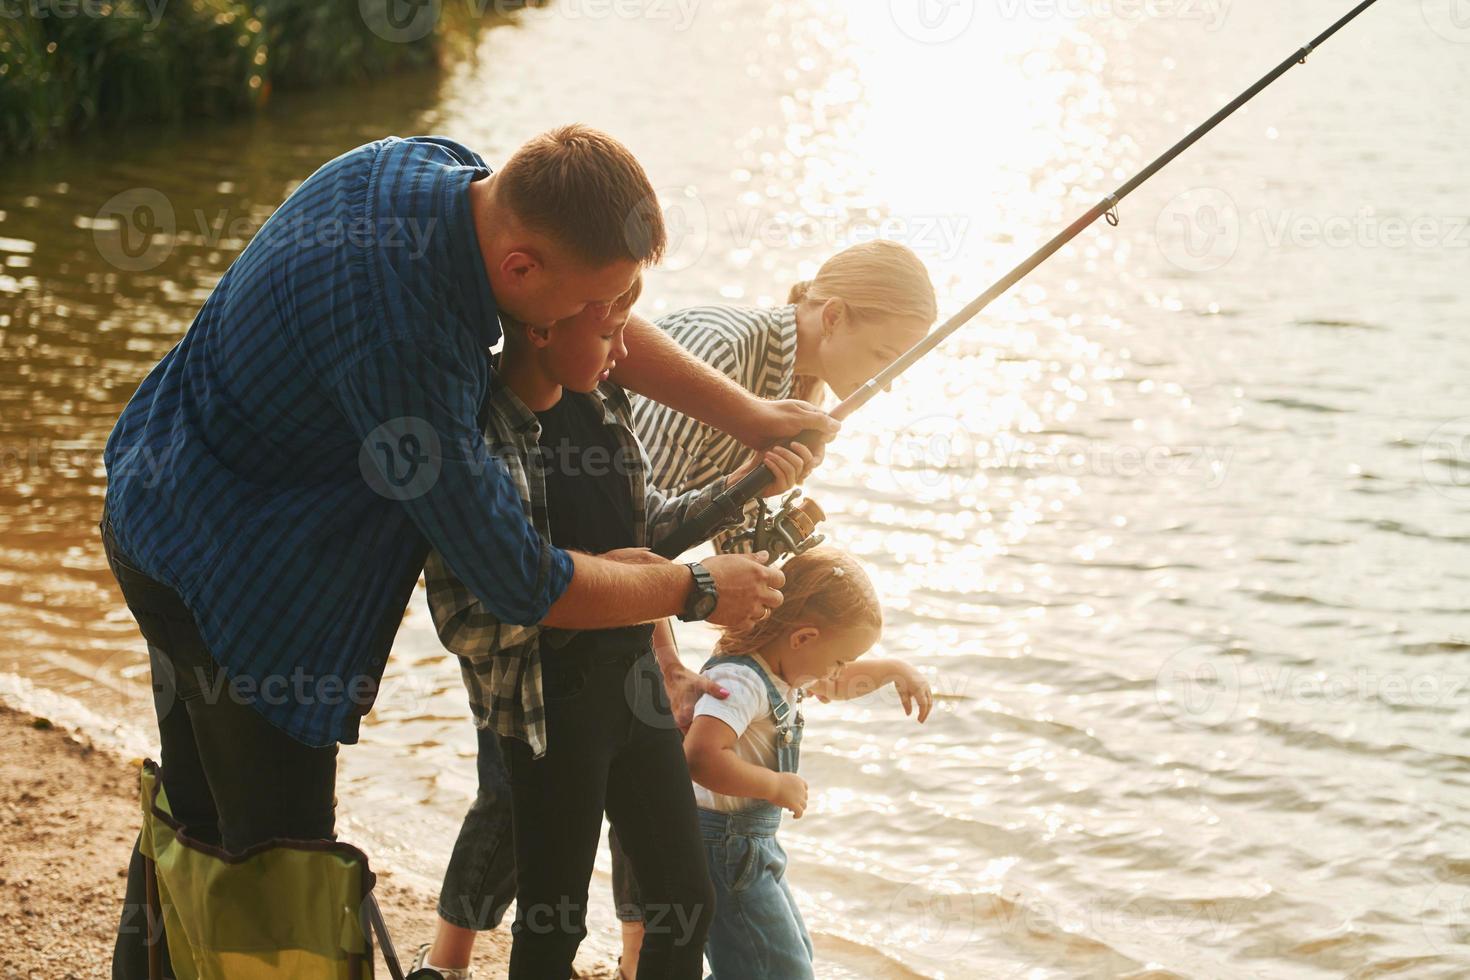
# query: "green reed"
x,y
67,66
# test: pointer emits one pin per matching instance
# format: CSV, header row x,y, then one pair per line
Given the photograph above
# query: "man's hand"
x,y
766,423
747,588
685,687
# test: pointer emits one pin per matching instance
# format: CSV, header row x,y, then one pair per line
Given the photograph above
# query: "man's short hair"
x,y
584,190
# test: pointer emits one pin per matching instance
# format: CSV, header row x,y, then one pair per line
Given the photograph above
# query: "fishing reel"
x,y
787,531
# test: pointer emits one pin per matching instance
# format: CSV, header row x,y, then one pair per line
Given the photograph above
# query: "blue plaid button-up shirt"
x,y
289,464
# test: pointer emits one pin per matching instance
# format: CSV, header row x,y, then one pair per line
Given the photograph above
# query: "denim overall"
x,y
758,931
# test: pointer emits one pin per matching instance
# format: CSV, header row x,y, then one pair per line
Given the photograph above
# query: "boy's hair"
x,y
513,328
825,585
630,295
585,190
877,279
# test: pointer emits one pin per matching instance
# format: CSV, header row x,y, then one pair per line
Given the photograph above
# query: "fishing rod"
x,y
728,507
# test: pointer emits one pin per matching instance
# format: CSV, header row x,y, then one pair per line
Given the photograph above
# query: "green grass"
x,y
90,64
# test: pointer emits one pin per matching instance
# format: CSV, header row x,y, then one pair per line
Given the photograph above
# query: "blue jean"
x,y
758,930
480,881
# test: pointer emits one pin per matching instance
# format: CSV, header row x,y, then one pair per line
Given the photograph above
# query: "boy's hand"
x,y
790,793
788,466
914,689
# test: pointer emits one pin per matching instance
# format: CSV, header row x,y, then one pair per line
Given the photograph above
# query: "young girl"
x,y
743,752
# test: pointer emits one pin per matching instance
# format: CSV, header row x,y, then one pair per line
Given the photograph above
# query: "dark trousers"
x,y
604,755
480,881
232,778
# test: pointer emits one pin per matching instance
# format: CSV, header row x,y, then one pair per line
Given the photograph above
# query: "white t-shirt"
x,y
748,713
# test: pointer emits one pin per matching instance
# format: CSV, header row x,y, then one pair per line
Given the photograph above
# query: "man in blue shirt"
x,y
277,480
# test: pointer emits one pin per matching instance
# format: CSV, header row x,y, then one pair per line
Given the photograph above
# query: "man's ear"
x,y
803,635
519,264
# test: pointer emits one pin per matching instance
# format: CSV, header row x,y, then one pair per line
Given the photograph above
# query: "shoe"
x,y
423,971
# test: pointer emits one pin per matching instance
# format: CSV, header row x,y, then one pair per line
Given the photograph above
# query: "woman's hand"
x,y
685,688
788,466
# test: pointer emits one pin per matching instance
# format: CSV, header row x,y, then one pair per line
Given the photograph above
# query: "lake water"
x,y
1178,527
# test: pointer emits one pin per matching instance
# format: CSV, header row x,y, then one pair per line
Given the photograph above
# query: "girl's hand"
x,y
790,793
913,688
789,466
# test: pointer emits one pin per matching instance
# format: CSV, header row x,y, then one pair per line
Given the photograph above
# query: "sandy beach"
x,y
69,821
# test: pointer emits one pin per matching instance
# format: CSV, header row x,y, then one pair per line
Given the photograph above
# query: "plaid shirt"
x,y
289,463
499,661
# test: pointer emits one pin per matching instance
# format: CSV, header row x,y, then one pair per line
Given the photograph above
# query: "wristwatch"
x,y
703,597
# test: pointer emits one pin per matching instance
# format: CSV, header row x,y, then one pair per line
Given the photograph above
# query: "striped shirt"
x,y
754,347
288,464
500,661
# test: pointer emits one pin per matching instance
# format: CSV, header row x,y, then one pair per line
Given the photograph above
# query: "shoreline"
x,y
70,808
